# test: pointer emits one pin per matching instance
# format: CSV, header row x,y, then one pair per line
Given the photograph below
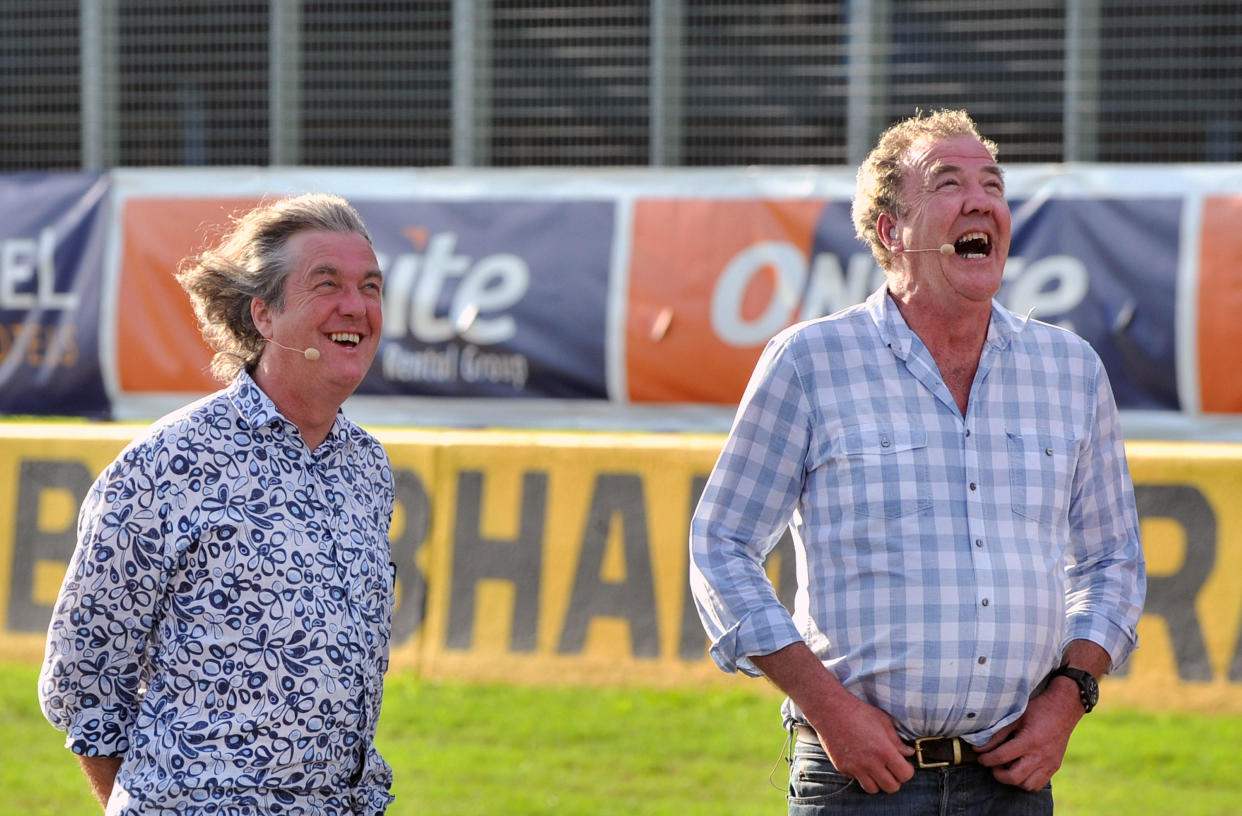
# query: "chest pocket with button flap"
x,y
1041,471
885,469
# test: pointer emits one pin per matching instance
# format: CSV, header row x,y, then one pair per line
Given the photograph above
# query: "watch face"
x,y
1092,690
1088,688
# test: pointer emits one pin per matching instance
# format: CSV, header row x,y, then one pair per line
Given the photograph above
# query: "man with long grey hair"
x,y
222,633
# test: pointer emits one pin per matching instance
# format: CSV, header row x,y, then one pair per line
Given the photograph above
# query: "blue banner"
x,y
492,298
1106,269
52,231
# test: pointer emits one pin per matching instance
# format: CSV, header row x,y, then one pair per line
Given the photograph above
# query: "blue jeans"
x,y
816,789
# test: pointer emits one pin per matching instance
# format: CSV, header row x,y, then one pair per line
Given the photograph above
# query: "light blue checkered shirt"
x,y
943,562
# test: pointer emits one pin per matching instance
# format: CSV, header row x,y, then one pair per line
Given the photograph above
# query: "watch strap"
x,y
1088,689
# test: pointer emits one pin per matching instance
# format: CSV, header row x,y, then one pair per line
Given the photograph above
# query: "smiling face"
x,y
331,303
953,193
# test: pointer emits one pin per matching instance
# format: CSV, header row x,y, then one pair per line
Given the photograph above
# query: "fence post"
x,y
1082,80
667,80
471,82
867,50
97,76
284,97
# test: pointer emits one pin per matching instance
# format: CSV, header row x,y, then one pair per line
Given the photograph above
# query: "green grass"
x,y
468,749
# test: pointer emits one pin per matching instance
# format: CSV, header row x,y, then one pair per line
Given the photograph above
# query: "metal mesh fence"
x,y
375,84
764,83
39,59
102,83
1004,63
191,82
1170,83
568,83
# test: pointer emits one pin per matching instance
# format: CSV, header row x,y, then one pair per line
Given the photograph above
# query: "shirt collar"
x,y
1002,328
257,410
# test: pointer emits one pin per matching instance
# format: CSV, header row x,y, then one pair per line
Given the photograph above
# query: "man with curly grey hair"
x,y
962,514
221,636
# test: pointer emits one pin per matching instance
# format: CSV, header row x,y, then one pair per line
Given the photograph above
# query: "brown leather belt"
x,y
942,752
929,752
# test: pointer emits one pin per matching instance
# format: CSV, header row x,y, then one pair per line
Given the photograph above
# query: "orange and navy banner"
x,y
607,287
712,280
482,298
562,558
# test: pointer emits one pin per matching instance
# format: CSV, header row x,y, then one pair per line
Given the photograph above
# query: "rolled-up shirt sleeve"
x,y
749,498
1106,571
89,686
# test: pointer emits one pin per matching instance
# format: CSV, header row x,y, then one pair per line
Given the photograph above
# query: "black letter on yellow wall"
x,y
416,507
620,496
30,544
1172,597
476,558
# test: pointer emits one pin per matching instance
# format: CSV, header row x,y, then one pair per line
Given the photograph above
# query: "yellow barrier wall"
x,y
561,557
1190,509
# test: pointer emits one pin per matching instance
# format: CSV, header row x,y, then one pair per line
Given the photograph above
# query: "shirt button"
x,y
982,660
986,602
968,432
972,485
1048,451
978,542
884,441
971,715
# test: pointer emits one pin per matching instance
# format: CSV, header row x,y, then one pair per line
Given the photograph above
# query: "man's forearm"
x,y
101,773
1086,654
798,672
860,739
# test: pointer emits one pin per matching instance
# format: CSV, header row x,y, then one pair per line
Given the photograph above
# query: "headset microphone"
x,y
310,353
943,249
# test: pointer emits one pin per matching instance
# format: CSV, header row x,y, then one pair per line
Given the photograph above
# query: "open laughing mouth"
x,y
347,339
973,245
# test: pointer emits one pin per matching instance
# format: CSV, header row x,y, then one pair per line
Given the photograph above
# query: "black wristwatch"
x,y
1088,689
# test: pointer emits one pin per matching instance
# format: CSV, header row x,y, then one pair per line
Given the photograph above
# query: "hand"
x,y
1028,752
862,743
859,738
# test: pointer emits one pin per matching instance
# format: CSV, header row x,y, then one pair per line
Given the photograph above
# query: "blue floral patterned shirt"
x,y
224,622
943,561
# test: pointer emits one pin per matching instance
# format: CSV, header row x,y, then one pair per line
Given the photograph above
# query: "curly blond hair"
x,y
880,176
250,263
